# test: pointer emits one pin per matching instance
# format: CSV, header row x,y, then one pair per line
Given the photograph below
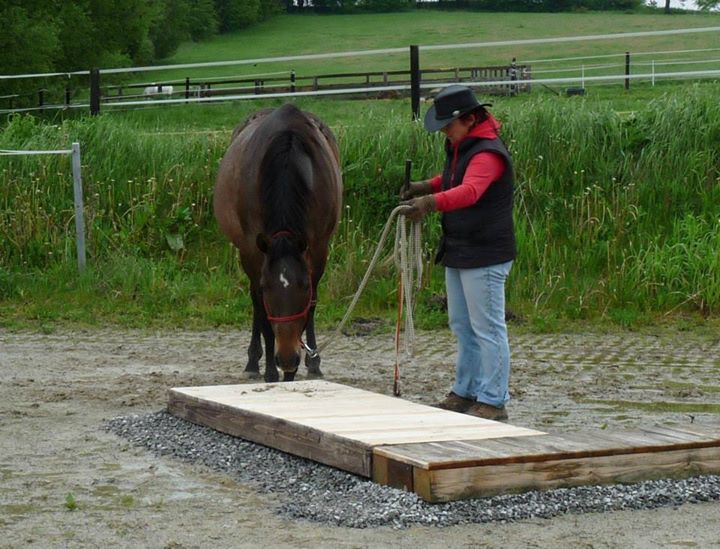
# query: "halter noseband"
x,y
311,299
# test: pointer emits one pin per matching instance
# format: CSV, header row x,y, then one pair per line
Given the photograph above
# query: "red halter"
x,y
296,316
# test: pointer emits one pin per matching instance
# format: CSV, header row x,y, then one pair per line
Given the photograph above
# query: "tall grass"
x,y
617,215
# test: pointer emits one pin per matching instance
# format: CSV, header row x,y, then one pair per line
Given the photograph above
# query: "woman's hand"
x,y
417,208
417,188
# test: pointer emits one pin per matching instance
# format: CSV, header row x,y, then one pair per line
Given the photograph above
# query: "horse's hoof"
x,y
314,374
313,366
250,375
271,377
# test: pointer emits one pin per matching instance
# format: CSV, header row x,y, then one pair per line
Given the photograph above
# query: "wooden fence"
x,y
292,83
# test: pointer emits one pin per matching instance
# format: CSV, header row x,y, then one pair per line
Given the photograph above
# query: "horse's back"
x,y
236,198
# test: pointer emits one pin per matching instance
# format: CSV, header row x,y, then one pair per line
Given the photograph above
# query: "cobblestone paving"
x,y
564,381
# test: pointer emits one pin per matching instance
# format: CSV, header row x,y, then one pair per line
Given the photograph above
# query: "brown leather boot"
x,y
455,403
485,411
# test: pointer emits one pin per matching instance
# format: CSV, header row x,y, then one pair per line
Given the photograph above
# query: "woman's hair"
x,y
480,115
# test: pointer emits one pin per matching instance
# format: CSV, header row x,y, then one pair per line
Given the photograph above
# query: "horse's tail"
x,y
285,176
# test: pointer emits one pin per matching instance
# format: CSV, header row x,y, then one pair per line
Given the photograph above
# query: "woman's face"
x,y
456,130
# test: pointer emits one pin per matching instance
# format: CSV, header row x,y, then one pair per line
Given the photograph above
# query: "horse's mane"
x,y
285,172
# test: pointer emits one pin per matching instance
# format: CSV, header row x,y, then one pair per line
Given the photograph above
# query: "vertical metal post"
x,y
79,215
415,81
627,70
653,73
67,96
94,91
292,81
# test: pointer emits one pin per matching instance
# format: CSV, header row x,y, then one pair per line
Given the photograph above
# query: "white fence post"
x,y
79,210
78,195
653,73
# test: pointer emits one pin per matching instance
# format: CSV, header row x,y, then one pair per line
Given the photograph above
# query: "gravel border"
x,y
318,493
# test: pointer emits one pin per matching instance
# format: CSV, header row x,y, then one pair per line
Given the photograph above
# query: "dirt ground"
x,y
66,482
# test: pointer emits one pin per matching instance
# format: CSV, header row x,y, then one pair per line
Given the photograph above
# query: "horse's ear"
x,y
263,242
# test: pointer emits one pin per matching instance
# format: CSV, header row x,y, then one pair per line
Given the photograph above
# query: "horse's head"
x,y
287,294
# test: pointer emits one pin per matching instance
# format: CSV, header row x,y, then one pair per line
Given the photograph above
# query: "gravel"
x,y
316,492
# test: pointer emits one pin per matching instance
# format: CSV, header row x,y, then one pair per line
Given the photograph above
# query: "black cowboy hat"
x,y
451,103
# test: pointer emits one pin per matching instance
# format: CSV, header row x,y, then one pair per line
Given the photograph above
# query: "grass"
x,y
431,27
293,35
615,207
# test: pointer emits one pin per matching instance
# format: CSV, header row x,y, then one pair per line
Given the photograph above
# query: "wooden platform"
x,y
440,455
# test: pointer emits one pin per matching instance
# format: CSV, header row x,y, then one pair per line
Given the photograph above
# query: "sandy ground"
x,y
65,482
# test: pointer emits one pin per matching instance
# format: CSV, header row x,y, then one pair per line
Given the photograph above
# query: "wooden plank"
x,y
352,413
349,455
547,447
396,474
698,430
705,430
467,482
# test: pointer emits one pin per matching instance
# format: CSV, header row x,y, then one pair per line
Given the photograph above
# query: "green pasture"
x,y
316,34
616,205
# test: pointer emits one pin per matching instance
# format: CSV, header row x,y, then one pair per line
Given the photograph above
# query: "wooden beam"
x,y
281,434
468,482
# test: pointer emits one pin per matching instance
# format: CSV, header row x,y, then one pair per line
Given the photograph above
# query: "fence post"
x,y
627,70
79,215
187,87
67,96
292,81
415,81
653,73
513,76
94,91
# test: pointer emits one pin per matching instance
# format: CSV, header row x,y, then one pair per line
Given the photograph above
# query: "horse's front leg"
x,y
312,357
252,369
271,371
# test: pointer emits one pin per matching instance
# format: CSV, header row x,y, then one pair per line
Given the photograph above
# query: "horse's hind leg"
x,y
312,361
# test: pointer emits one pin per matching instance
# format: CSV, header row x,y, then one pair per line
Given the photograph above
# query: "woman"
x,y
474,193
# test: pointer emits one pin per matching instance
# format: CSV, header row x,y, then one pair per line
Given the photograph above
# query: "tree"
x,y
28,44
708,4
202,19
170,28
237,14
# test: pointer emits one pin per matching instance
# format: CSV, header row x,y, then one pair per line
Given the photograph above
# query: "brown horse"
x,y
278,199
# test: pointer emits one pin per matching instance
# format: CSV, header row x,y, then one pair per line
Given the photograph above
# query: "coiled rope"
x,y
408,259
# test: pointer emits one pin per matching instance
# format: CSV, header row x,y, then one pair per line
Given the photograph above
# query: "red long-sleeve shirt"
x,y
483,169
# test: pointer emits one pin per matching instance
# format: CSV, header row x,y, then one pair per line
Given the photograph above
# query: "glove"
x,y
417,208
418,188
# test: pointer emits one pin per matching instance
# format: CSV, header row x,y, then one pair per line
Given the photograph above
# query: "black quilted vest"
x,y
482,234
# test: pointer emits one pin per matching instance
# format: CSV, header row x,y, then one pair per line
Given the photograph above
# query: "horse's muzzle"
x,y
288,364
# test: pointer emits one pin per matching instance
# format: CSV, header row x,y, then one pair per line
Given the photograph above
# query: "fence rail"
x,y
291,83
490,80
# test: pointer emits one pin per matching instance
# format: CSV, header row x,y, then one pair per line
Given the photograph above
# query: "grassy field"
x,y
616,200
311,34
292,35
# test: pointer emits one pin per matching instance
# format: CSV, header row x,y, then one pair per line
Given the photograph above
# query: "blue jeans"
x,y
476,313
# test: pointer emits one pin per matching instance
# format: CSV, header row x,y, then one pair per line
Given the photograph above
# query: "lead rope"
x,y
409,263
